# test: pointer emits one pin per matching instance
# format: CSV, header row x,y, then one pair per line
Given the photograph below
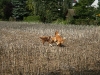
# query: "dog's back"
x,y
45,39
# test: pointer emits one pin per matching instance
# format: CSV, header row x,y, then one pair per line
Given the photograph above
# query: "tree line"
x,y
48,11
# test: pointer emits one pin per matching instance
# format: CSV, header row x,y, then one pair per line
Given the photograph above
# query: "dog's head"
x,y
57,33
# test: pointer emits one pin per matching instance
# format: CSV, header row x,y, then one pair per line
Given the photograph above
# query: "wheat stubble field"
x,y
22,53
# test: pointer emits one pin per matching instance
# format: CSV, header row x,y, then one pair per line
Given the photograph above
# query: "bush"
x,y
32,19
71,21
60,21
0,19
98,21
83,21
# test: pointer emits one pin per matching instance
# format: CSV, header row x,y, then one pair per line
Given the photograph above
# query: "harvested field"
x,y
22,53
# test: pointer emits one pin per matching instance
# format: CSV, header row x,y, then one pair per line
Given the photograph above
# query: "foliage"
x,y
83,9
30,5
5,9
86,2
49,10
83,21
97,14
66,5
60,21
19,10
32,19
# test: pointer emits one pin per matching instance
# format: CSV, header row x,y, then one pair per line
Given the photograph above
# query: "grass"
x,y
22,53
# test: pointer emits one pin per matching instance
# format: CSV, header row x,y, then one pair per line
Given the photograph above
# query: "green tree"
x,y
49,10
97,13
98,9
1,9
30,5
83,9
5,9
53,10
19,10
66,4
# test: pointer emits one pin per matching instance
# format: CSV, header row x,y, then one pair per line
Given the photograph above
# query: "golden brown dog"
x,y
58,39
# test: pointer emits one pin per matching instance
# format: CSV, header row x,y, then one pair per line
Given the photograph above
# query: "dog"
x,y
57,38
46,39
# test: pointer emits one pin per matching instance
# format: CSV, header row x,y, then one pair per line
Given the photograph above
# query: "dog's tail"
x,y
45,38
42,38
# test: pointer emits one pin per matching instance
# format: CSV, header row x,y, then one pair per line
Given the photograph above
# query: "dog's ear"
x,y
57,33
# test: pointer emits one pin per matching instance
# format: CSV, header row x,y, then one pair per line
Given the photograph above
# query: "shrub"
x,y
60,21
32,19
83,21
98,20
